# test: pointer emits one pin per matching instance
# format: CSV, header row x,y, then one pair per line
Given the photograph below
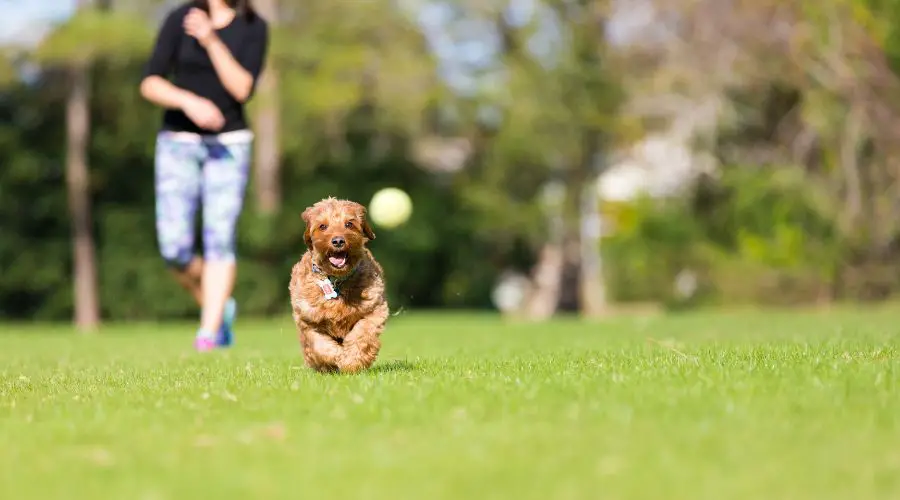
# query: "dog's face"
x,y
337,232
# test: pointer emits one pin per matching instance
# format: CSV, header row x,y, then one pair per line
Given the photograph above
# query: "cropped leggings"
x,y
206,172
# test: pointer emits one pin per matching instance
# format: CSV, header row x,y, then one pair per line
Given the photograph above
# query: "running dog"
x,y
337,289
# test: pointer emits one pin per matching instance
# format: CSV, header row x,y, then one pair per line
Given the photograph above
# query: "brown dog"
x,y
337,289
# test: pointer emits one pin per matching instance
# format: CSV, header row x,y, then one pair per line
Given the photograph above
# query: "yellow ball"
x,y
390,207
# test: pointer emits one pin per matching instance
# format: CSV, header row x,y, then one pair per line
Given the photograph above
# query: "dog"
x,y
337,289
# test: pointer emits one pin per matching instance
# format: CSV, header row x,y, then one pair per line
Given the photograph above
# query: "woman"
x,y
204,68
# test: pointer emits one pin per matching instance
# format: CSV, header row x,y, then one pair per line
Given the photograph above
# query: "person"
x,y
204,68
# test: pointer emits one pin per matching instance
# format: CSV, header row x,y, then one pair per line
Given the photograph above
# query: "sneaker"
x,y
204,344
226,332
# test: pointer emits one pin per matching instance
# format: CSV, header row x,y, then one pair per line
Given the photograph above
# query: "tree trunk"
x,y
268,147
546,279
570,297
543,298
87,309
593,286
849,156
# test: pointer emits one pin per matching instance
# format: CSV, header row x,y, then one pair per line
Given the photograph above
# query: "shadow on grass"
x,y
394,366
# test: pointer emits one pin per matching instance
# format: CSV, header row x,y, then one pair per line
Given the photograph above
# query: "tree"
x,y
268,130
78,135
555,110
93,33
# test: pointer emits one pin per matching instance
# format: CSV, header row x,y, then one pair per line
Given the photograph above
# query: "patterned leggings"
x,y
190,171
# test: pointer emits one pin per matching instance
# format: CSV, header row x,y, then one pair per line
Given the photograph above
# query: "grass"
x,y
700,406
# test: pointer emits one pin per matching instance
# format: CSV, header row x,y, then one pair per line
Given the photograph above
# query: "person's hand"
x,y
204,113
198,25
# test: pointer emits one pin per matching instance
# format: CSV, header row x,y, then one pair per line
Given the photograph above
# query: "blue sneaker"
x,y
226,333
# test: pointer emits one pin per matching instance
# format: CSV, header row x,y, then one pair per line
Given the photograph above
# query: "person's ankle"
x,y
205,333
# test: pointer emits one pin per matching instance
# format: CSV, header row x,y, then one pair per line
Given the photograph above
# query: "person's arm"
x,y
237,72
236,80
154,85
160,91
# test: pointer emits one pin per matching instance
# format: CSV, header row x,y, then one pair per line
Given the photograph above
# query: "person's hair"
x,y
243,8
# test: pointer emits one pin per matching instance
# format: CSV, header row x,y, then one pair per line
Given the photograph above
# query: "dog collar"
x,y
331,285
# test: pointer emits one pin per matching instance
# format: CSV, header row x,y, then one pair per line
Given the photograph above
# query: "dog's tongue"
x,y
338,260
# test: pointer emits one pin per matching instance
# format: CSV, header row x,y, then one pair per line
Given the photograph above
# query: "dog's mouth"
x,y
338,260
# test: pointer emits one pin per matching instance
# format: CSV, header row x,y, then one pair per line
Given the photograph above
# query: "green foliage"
x,y
95,34
440,256
653,241
8,72
35,247
879,17
351,106
755,235
358,88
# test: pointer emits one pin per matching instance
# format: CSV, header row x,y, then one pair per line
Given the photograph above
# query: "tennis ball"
x,y
390,207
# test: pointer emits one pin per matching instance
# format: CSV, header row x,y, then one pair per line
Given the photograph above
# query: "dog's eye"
x,y
348,225
322,227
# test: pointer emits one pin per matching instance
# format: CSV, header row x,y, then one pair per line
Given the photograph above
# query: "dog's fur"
x,y
340,334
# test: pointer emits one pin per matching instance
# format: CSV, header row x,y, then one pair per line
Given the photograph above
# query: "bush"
x,y
752,236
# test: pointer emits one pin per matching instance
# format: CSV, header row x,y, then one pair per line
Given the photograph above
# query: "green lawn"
x,y
701,406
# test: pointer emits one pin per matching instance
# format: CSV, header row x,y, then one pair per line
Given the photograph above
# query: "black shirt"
x,y
181,57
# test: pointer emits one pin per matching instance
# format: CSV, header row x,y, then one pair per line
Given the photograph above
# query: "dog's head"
x,y
336,233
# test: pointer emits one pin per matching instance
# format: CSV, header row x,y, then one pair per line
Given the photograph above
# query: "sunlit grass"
x,y
711,406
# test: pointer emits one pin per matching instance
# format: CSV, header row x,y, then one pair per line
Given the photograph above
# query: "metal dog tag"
x,y
327,289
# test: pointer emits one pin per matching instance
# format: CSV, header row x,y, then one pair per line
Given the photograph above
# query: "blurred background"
x,y
561,155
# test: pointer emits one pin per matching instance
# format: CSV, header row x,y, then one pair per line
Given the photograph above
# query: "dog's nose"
x,y
337,242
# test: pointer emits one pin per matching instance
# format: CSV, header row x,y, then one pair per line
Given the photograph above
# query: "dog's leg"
x,y
320,351
362,344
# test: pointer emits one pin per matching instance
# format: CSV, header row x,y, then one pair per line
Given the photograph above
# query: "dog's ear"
x,y
307,233
361,214
367,229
